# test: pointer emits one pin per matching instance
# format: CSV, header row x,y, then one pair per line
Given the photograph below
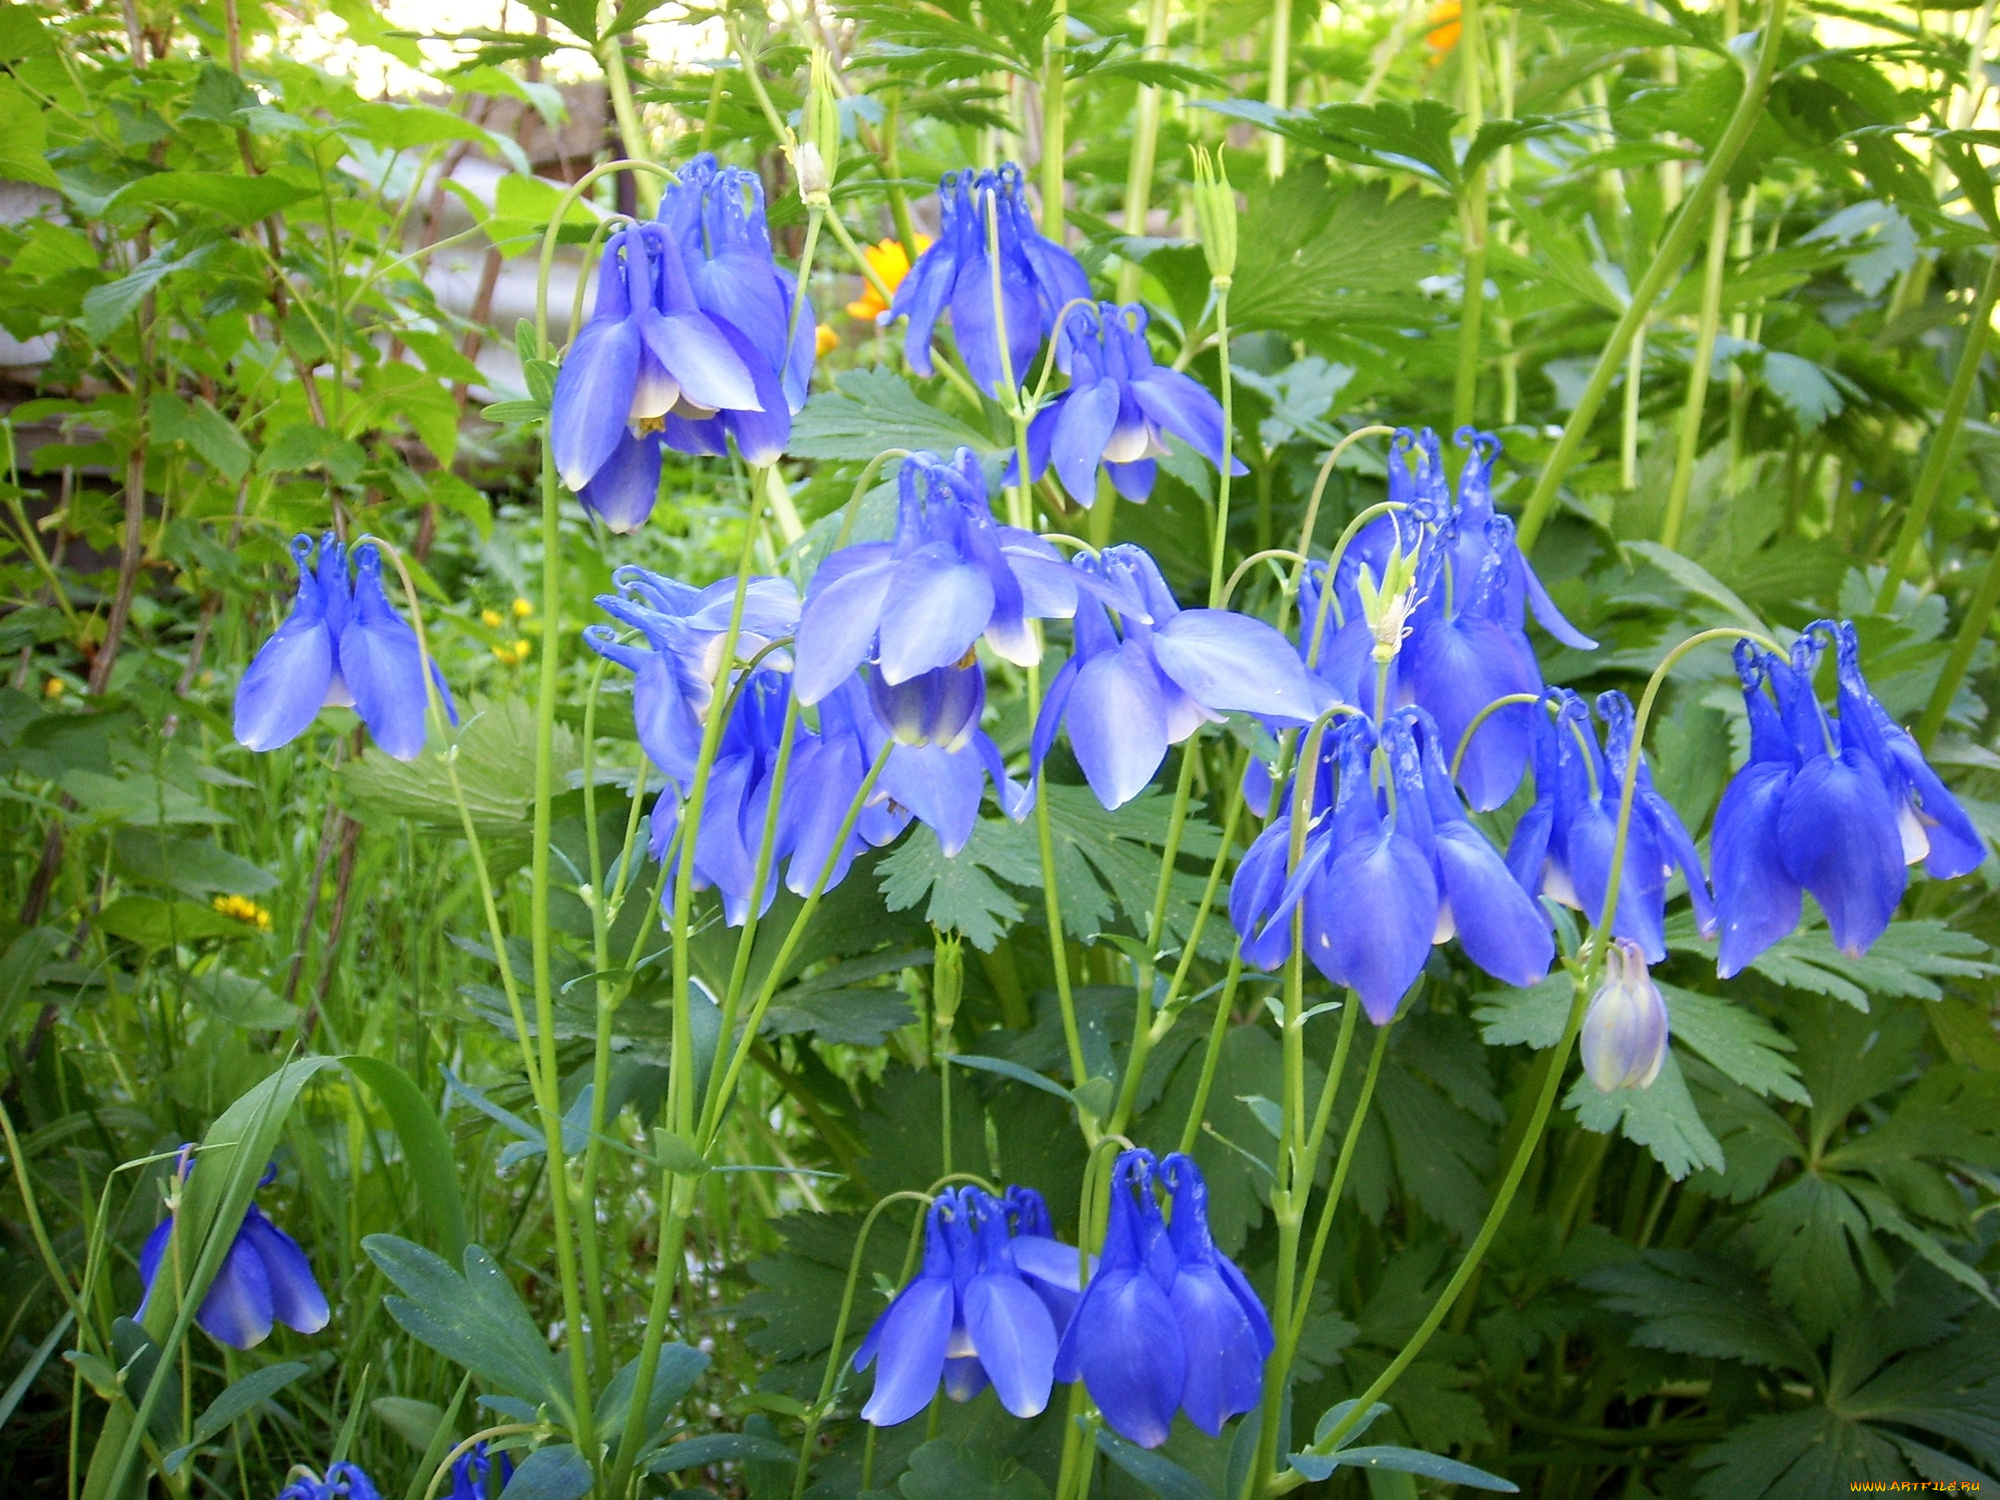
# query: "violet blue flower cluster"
x,y
1162,1322
1385,819
691,342
343,1481
341,646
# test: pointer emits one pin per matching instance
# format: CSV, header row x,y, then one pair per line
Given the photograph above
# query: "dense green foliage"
x,y
1769,1274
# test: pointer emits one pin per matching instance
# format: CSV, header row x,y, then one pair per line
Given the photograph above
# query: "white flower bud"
x,y
1625,1029
815,186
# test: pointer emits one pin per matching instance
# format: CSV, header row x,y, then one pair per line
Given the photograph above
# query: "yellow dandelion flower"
x,y
825,340
54,688
243,909
1444,29
522,609
522,649
490,618
889,261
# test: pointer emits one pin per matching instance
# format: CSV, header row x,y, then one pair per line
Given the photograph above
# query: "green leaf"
x,y
198,867
1402,1461
1534,1018
238,1400
1013,1070
854,1018
152,923
415,1422
1902,962
106,306
138,1363
1802,1455
495,759
427,1153
21,969
23,134
1610,25
680,1366
515,411
234,197
203,429
1158,1473
243,1001
1741,1044
963,892
1314,254
1688,1302
717,1448
1660,1117
945,1470
304,445
557,1472
870,411
476,1319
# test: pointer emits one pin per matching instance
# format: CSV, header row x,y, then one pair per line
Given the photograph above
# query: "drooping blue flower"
x,y
941,762
921,601
1118,409
1166,1322
479,1475
264,1278
1223,1326
1624,1038
343,1481
683,630
1130,691
623,490
1398,832
1563,844
1057,1272
1836,807
1038,278
716,217
339,647
968,1319
648,350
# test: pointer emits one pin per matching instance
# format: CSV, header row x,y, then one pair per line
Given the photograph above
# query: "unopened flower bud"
x,y
1625,1029
818,154
1215,216
947,978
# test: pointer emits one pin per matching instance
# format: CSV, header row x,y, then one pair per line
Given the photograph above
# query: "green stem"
x,y
1338,1184
1943,449
1220,544
1054,123
1145,146
1472,306
1225,1007
1704,356
609,995
1971,630
1142,1019
1690,221
1278,84
618,83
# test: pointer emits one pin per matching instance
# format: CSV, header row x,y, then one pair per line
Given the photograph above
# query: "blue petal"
x,y
921,297
1016,1340
1127,1348
699,355
1837,829
1757,899
1550,618
1457,667
942,787
1052,1261
1081,430
1225,1371
623,489
593,398
285,687
760,434
1956,847
936,607
296,1298
1178,403
1134,481
1230,662
237,1309
909,1346
1253,897
964,1377
1050,719
972,316
1117,723
1499,928
1370,923
381,663
838,624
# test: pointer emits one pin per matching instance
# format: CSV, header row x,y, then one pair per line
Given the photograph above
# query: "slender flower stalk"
x,y
1688,443
1674,247
1474,213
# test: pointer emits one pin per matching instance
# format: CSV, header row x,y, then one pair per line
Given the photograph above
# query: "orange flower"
x,y
825,340
1445,26
887,260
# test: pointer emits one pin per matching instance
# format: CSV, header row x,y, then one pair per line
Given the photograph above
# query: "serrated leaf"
x,y
1742,1045
1158,1473
1661,1117
963,892
870,411
1693,1303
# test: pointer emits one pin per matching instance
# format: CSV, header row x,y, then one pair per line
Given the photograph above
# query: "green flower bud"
x,y
1215,216
817,158
947,979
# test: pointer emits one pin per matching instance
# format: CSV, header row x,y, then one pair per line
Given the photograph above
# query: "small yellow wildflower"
x,y
521,649
54,688
522,609
490,618
1445,27
889,261
243,909
825,340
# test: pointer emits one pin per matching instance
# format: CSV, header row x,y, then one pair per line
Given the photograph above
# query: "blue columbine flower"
x,y
1166,1322
338,648
920,601
1118,408
647,351
968,1319
1399,832
1128,696
1038,278
1836,808
1562,845
473,1475
1624,1038
683,629
343,1481
716,218
1057,1272
265,1277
